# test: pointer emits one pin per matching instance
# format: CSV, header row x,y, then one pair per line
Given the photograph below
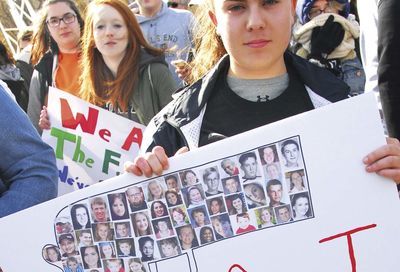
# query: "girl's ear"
x,y
213,18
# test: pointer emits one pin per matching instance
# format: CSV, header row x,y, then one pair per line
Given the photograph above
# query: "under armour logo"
x,y
262,99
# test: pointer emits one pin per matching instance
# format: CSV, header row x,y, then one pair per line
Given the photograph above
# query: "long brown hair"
x,y
98,85
42,40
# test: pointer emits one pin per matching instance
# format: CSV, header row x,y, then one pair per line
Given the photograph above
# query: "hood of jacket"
x,y
190,101
146,59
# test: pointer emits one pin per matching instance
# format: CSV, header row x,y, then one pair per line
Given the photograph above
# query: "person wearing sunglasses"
x,y
169,29
326,36
55,54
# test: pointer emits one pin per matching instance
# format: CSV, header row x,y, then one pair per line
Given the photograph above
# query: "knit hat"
x,y
303,8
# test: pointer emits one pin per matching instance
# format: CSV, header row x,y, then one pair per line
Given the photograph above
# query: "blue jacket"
x,y
28,172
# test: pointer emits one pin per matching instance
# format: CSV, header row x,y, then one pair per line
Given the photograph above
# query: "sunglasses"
x,y
172,4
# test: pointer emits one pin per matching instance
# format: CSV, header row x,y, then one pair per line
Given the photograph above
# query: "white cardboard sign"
x,y
339,218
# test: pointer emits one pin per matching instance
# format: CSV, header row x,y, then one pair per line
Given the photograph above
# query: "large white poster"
x,y
291,196
90,143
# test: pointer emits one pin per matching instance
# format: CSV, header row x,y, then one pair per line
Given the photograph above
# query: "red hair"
x,y
98,85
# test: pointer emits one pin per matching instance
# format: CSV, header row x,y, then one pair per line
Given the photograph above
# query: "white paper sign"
x,y
90,143
316,210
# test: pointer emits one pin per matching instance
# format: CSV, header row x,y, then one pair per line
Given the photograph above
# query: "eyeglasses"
x,y
172,4
68,18
331,7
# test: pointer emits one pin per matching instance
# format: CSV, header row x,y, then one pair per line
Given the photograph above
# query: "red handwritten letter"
x,y
68,121
349,242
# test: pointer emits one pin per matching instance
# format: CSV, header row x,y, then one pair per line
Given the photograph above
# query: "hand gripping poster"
x,y
91,144
290,196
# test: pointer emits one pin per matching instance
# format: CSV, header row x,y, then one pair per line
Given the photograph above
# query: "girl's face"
x,y
141,223
109,32
102,231
148,249
118,207
65,35
268,155
178,217
218,227
91,257
301,206
158,209
191,179
265,216
207,235
195,196
155,190
297,180
237,204
172,198
135,266
82,216
107,251
255,34
52,254
162,225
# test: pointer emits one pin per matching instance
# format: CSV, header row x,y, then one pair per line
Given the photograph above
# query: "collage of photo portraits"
x,y
163,217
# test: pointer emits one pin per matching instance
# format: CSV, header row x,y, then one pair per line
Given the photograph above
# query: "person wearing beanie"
x,y
325,35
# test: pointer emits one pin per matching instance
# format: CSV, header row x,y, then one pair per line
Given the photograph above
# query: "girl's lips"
x,y
257,43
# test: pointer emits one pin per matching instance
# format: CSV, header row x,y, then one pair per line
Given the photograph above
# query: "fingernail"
x,y
365,160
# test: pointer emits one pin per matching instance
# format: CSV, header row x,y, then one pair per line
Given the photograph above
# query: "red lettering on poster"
x,y
349,242
238,266
68,121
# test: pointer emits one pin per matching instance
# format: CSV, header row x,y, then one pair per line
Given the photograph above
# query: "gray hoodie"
x,y
170,30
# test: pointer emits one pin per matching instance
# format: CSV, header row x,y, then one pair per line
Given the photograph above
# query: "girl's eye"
x,y
117,26
235,8
99,27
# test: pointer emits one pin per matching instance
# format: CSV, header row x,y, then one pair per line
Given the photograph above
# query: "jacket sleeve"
x,y
163,83
35,101
28,172
389,63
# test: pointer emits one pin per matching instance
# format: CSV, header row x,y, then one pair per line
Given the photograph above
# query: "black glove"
x,y
326,38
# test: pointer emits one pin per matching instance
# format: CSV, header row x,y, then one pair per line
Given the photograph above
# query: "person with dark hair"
x,y
268,155
118,206
172,182
249,165
231,185
291,152
91,257
158,209
236,204
125,247
301,206
163,228
107,250
67,245
122,229
73,265
283,214
173,198
215,206
194,196
135,265
52,254
206,235
80,217
146,247
199,217
189,178
296,182
274,192
55,53
135,197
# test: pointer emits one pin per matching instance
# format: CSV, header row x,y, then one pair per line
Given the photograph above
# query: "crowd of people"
x,y
192,79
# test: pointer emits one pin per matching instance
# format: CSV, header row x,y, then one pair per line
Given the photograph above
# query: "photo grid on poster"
x,y
169,215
